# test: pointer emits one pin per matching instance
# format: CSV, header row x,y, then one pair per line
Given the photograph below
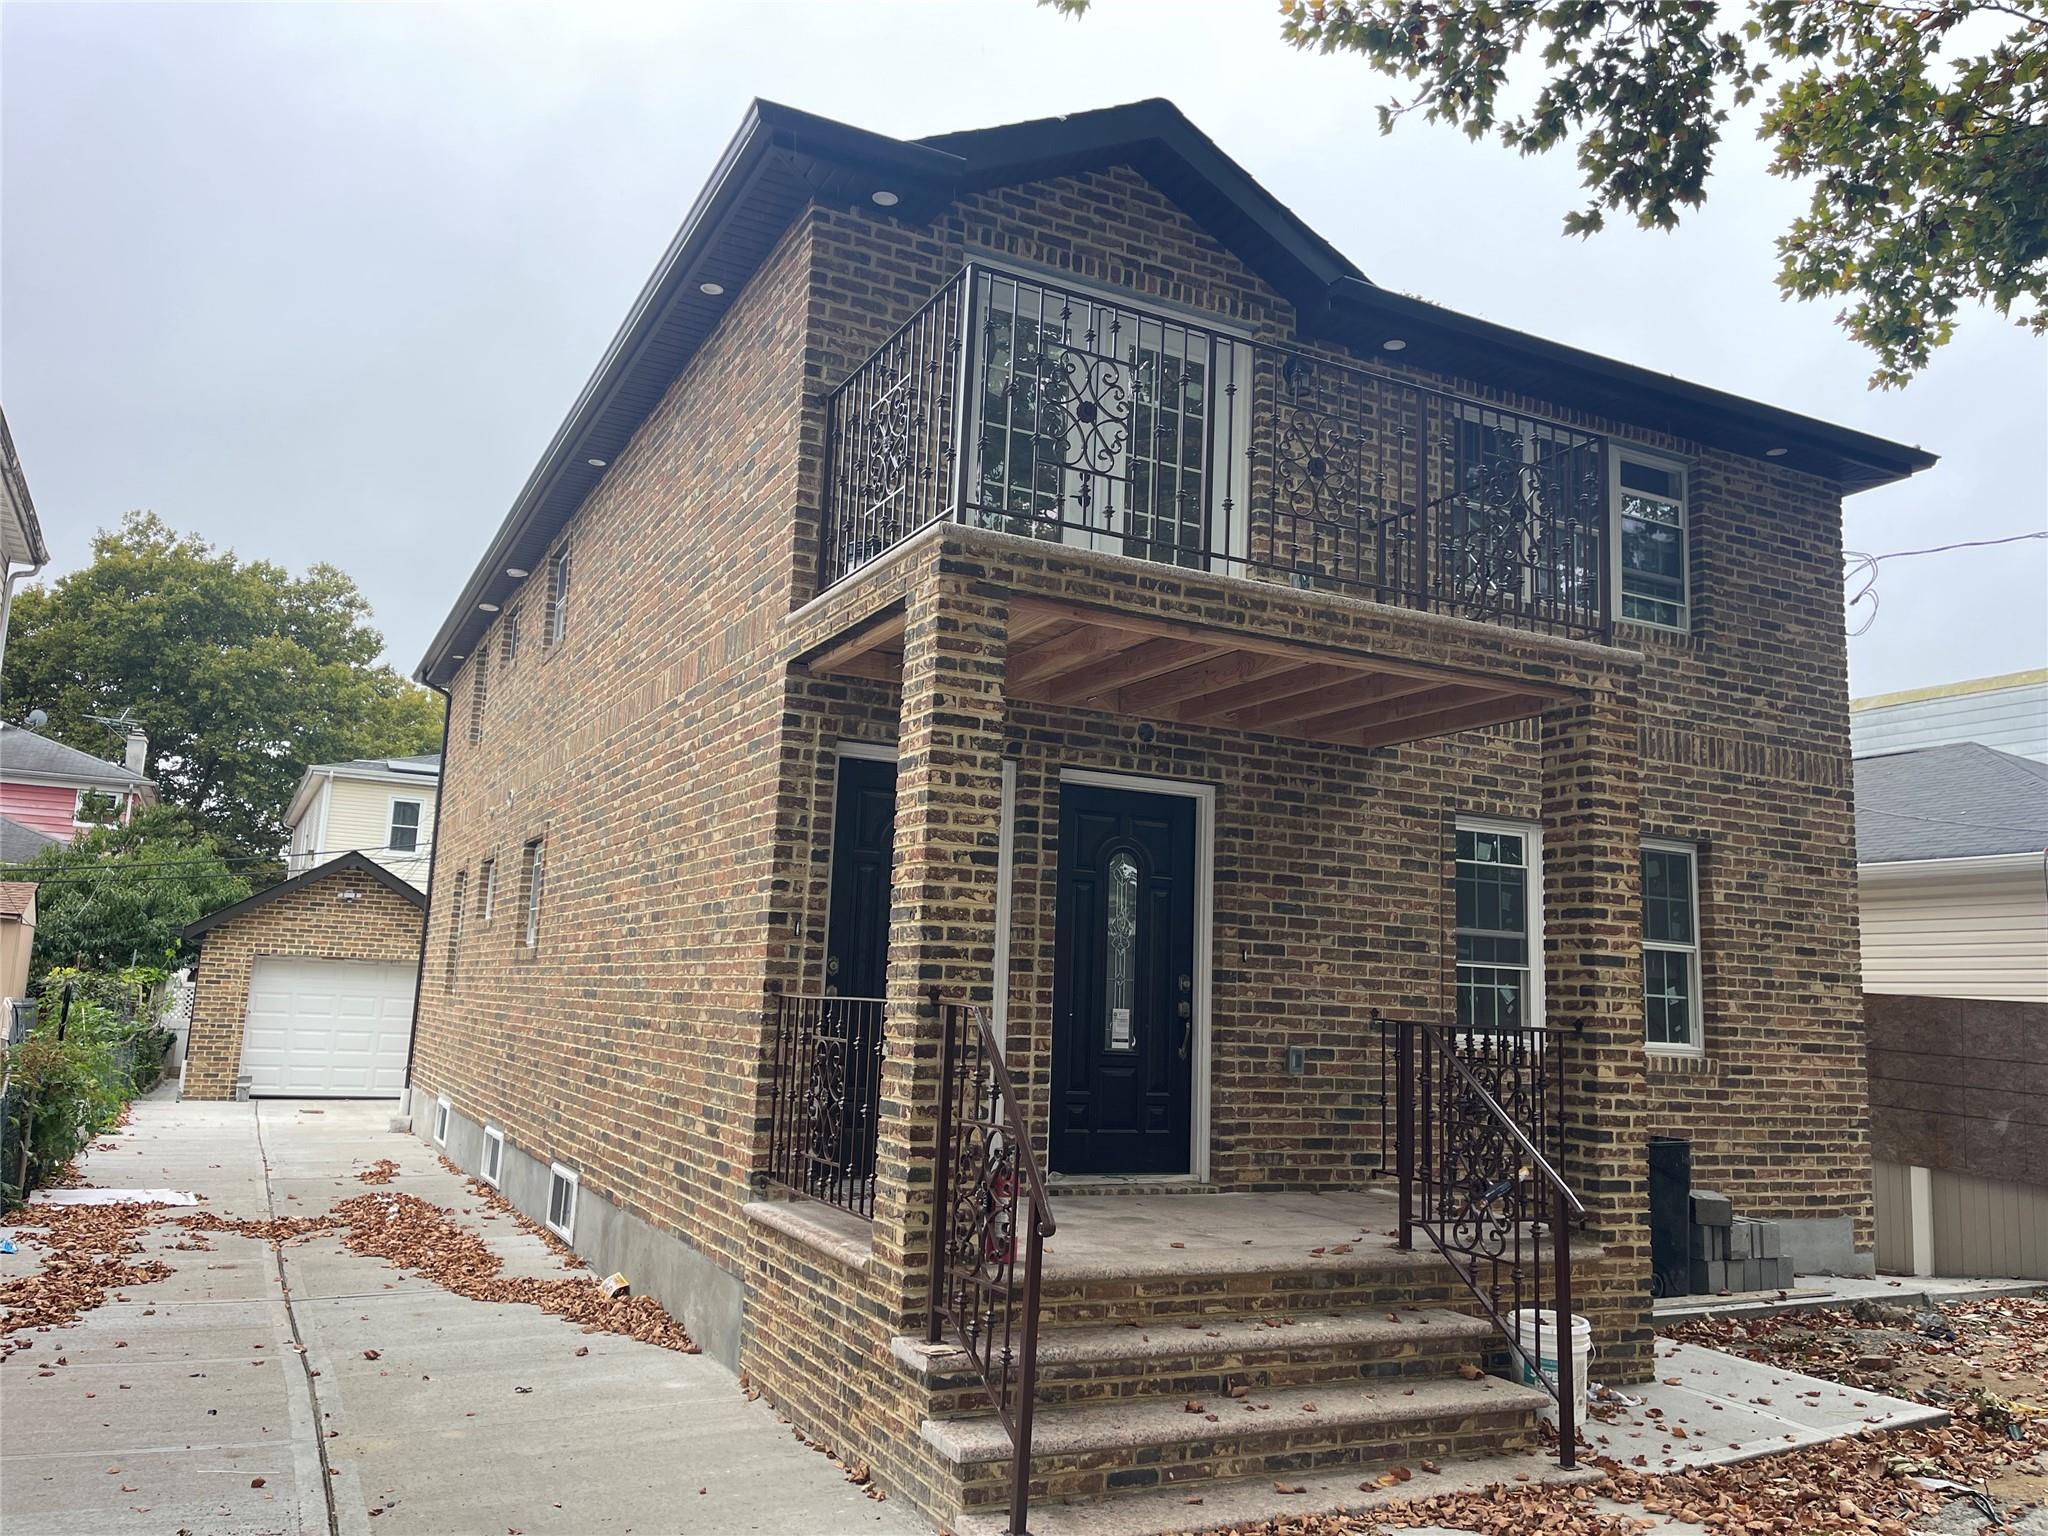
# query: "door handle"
x,y
1187,1035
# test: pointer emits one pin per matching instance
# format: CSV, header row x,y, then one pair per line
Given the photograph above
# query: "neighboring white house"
x,y
1952,865
2008,712
382,807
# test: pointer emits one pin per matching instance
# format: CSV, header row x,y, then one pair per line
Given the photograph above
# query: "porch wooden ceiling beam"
x,y
1469,717
845,655
1026,622
1405,703
1290,681
1085,646
1165,697
1291,650
1137,671
1298,712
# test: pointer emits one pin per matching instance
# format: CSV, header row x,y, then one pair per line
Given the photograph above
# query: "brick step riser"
x,y
960,1394
1276,1451
1252,1296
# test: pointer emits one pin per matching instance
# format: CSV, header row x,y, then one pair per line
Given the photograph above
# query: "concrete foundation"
x,y
709,1301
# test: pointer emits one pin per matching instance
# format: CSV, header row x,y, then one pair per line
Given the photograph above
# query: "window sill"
x,y
1667,1062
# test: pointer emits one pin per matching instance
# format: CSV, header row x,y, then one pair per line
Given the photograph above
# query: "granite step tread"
x,y
1146,1423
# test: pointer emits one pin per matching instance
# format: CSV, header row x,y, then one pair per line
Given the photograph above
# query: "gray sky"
x,y
318,282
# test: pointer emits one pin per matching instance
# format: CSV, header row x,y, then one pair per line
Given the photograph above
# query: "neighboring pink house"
x,y
60,791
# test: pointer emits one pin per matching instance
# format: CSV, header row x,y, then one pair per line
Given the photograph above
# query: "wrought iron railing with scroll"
x,y
1017,403
824,1096
991,1217
1476,1141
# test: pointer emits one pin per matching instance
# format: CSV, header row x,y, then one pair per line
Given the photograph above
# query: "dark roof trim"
x,y
1444,341
356,862
782,158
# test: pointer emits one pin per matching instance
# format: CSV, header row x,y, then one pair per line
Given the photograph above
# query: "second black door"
x,y
1123,983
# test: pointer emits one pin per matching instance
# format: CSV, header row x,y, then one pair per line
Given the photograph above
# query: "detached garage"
x,y
305,990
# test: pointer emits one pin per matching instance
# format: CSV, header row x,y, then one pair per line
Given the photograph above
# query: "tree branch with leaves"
x,y
1921,129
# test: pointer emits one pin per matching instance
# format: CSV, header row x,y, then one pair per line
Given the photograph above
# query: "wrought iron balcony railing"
x,y
1016,403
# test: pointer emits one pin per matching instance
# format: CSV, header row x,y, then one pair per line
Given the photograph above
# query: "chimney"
x,y
138,750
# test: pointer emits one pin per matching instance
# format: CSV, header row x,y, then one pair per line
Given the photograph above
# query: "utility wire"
x,y
1863,568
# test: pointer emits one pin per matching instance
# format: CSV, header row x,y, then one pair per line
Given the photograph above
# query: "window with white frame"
x,y
494,1155
1498,926
557,615
455,922
1650,540
536,875
96,808
487,896
403,836
1671,947
561,1202
442,1110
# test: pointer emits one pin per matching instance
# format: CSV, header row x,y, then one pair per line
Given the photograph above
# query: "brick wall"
x,y
344,916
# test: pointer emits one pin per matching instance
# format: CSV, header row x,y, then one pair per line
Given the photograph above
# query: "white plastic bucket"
x,y
1537,1335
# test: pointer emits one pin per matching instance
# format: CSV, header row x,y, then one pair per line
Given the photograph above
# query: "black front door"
x,y
1124,982
846,1075
863,843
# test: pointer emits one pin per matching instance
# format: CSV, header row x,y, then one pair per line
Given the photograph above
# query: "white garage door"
x,y
327,1028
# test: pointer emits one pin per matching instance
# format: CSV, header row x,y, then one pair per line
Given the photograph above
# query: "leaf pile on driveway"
x,y
382,1171
88,1243
87,1248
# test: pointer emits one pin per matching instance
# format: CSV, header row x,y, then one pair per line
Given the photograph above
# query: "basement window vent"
x,y
561,1201
494,1155
441,1112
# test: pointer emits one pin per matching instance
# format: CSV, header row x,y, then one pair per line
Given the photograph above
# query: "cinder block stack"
x,y
1734,1253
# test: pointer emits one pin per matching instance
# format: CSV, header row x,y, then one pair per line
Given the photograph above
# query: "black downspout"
x,y
419,980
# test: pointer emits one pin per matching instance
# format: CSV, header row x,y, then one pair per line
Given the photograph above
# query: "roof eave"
x,y
1446,341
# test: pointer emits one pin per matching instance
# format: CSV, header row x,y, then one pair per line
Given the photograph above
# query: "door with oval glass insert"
x,y
1123,982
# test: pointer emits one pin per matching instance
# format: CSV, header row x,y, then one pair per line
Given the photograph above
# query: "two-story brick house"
x,y
1029,571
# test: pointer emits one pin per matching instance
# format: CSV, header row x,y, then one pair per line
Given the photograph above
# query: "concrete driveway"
x,y
237,1396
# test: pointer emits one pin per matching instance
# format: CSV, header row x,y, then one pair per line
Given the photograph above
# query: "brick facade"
x,y
676,762
345,915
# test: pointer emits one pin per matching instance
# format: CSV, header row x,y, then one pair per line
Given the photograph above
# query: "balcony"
x,y
1015,403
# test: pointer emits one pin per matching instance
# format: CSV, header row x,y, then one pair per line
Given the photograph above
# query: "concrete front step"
x,y
1207,1357
1083,1451
1375,1281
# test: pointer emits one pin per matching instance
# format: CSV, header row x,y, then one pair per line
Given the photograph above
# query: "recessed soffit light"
x,y
517,573
1393,344
595,463
487,607
1775,453
713,289
884,198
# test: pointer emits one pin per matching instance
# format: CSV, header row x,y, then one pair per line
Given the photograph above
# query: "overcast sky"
x,y
318,282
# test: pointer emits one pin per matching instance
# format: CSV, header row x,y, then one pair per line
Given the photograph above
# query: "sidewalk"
x,y
186,1404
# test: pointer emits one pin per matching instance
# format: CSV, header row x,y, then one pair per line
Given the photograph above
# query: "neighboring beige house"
x,y
379,806
1952,869
17,939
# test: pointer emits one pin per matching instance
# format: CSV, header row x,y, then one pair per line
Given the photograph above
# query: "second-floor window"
x,y
96,808
404,835
455,922
1650,540
536,871
557,624
480,694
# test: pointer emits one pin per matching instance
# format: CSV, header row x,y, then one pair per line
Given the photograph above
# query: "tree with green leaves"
x,y
241,673
117,896
1921,127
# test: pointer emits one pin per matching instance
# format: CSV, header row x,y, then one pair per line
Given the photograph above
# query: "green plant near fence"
x,y
94,1045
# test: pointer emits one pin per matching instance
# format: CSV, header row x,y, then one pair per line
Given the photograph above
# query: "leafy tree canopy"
x,y
118,895
241,673
1921,126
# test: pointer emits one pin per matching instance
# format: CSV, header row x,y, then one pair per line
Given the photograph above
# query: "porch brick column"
x,y
942,916
1592,893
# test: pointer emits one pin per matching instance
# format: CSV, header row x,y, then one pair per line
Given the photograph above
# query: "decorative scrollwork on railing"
x,y
825,1098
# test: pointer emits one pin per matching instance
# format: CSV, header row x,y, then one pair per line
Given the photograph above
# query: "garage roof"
x,y
346,863
1962,801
